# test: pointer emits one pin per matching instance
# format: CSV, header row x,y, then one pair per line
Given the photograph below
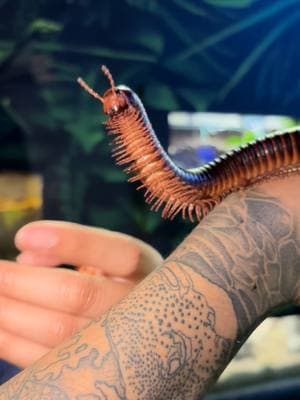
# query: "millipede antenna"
x,y
91,91
108,75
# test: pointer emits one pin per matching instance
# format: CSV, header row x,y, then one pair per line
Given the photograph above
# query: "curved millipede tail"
x,y
193,193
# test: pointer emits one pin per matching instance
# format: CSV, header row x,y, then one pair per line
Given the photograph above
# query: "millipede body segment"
x,y
193,193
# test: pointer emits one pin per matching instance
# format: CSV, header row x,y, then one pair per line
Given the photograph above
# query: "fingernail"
x,y
35,238
24,258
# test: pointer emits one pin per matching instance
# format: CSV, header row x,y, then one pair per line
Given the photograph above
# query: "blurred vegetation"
x,y
225,55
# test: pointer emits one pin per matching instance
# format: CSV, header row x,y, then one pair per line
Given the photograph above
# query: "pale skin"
x,y
172,335
42,305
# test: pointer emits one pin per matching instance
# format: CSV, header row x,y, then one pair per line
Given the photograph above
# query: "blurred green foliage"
x,y
239,140
226,55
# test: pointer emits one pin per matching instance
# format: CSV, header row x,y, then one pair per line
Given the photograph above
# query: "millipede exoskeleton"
x,y
191,192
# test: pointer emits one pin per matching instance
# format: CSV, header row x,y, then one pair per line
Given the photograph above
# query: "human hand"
x,y
40,305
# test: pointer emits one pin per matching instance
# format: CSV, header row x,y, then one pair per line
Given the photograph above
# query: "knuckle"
x,y
87,296
62,328
80,294
133,259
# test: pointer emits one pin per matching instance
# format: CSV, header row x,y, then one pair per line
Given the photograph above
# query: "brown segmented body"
x,y
190,192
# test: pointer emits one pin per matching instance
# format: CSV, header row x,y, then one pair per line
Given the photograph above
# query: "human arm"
x,y
40,307
171,337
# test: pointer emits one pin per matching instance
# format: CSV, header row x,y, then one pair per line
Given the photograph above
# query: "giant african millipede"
x,y
192,192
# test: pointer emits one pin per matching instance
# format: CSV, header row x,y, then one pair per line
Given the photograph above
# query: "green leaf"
x,y
106,218
6,51
111,174
146,221
238,140
200,100
44,26
257,52
236,28
191,7
174,23
95,51
15,116
149,38
230,3
288,122
160,96
145,5
248,136
86,138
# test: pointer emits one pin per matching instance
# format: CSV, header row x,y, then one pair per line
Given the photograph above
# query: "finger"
x,y
36,259
40,325
19,351
61,289
113,252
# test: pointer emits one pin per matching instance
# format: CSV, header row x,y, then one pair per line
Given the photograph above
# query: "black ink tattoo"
x,y
165,340
249,249
171,348
167,347
24,386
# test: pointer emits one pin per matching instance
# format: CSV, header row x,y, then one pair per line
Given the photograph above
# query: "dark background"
x,y
221,55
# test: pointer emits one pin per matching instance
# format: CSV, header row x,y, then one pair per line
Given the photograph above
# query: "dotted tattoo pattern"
x,y
167,346
177,350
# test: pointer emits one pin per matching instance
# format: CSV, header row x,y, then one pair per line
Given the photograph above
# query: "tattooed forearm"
x,y
249,248
167,346
179,345
174,334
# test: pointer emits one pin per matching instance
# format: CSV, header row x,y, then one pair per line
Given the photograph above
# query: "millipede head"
x,y
114,100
